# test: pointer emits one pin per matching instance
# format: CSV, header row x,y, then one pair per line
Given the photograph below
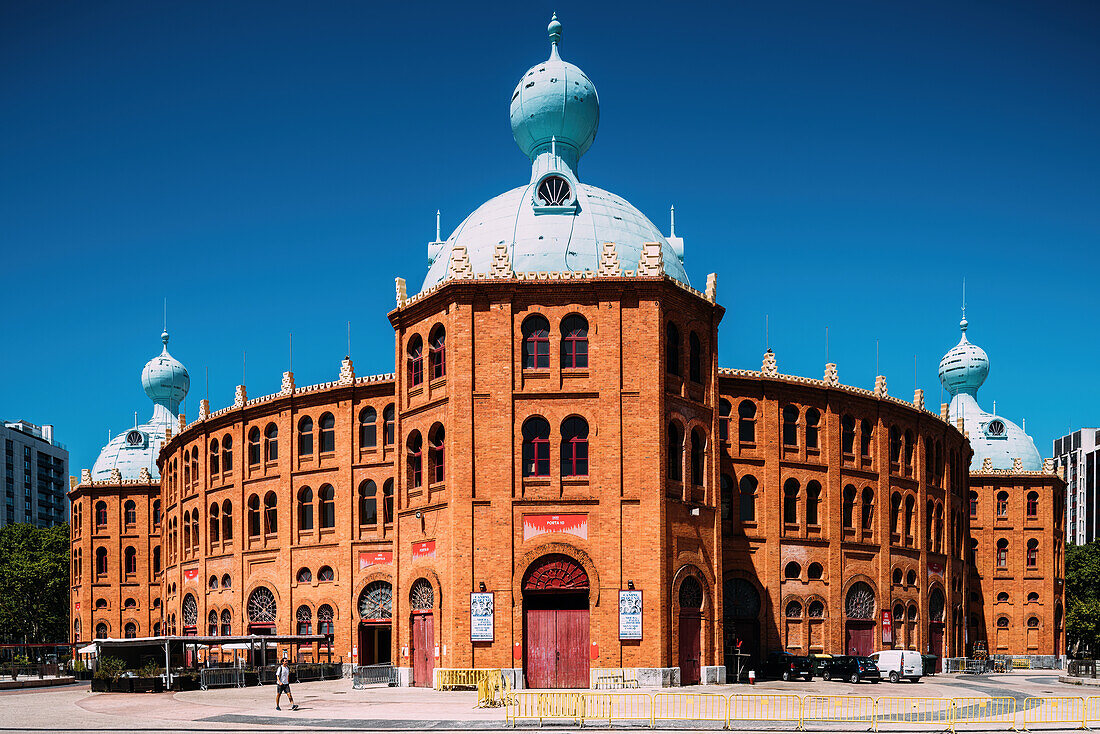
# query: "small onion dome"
x,y
165,379
965,367
555,102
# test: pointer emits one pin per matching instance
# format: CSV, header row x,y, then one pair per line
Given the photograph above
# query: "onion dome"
x,y
965,367
165,380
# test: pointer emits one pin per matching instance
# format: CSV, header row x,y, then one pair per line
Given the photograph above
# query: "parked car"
x,y
786,666
820,659
898,664
853,668
929,663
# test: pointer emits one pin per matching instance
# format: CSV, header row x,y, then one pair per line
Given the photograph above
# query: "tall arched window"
x,y
973,503
212,623
271,519
895,512
254,446
415,358
1002,504
414,460
304,618
813,419
100,562
187,531
910,445
437,353
195,465
101,631
849,506
698,457
910,515
368,503
271,442
672,349
227,623
1002,553
790,501
574,447
305,508
746,421
866,434
574,342
675,452
254,515
868,509
324,621
215,455
726,500
328,433
305,436
227,520
215,523
895,445
747,489
129,513
725,411
130,557
156,559
387,425
436,454
1033,504
100,515
327,497
790,425
387,501
695,358
813,501
227,452
536,343
847,434
368,428
1032,553
536,447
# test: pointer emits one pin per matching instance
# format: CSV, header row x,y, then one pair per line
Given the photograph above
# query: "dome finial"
x,y
554,29
164,338
963,323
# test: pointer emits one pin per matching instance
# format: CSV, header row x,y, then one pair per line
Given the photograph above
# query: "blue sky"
x,y
269,167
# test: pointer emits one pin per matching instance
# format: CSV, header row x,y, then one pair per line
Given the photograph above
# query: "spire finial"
x,y
963,323
554,29
437,225
672,217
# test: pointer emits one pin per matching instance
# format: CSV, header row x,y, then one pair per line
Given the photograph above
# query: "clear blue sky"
x,y
269,167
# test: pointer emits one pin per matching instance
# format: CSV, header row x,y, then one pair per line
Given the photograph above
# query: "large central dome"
x,y
553,223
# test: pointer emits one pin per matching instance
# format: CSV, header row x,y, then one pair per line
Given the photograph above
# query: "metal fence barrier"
x,y
984,710
1058,710
449,679
608,678
1081,668
1092,710
631,708
764,707
689,707
544,706
366,675
845,709
221,678
912,710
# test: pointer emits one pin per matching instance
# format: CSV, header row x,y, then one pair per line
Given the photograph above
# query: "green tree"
x,y
1083,599
34,583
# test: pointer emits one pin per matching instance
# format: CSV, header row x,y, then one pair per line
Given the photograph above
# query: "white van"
x,y
898,664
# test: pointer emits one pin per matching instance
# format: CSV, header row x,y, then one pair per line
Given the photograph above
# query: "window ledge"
x,y
416,390
438,382
537,481
574,481
574,372
539,373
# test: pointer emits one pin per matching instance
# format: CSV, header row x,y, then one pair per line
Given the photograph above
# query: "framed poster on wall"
x,y
630,614
481,616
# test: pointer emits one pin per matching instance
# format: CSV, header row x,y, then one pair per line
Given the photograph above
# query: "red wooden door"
x,y
935,641
690,649
541,648
572,648
423,652
860,638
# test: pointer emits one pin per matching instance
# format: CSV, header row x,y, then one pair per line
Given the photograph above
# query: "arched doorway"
x,y
422,650
741,627
859,628
375,623
555,623
690,630
262,612
936,604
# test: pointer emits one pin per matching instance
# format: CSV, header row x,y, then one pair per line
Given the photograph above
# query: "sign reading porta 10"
x,y
887,628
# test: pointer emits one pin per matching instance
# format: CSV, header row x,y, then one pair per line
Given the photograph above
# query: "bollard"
x,y
752,677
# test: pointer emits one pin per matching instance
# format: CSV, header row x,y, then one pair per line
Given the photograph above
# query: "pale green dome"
x,y
165,379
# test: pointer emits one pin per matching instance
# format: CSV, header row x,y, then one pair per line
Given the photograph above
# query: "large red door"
x,y
572,648
555,637
423,649
690,649
860,638
541,648
935,642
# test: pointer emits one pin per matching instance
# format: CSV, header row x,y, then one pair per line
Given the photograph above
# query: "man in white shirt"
x,y
282,685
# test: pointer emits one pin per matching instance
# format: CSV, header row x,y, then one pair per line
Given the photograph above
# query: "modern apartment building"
x,y
36,471
1078,455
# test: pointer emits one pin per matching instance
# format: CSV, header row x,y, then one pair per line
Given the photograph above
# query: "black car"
x,y
786,666
851,668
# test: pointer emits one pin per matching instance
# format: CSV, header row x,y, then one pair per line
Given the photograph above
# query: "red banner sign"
x,y
424,549
191,573
936,569
371,558
887,627
535,525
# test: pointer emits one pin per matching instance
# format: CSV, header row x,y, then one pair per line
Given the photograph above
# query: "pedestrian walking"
x,y
282,685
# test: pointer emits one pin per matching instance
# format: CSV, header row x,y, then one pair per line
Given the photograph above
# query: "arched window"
x,y
304,618
536,343
254,515
227,623
327,497
746,421
849,506
368,503
536,447
186,469
1032,553
695,358
387,501
973,552
860,602
436,454
414,459
792,570
866,433
1002,597
747,491
1002,553
227,520
328,433
415,352
813,419
227,452
895,445
254,446
305,436
1002,622
574,447
271,442
325,573
1002,504
675,452
973,503
130,556
910,515
725,412
790,425
195,464
847,434
437,353
387,425
215,456
156,560
100,515
726,502
1033,622
937,533
672,349
212,583
1032,597
215,523
911,578
574,342
817,610
212,623
895,512
271,520
324,621
187,531
815,571
305,508
101,631
130,630
129,513
305,576
898,576
813,500
368,428
227,581
793,610
195,530
1032,504
698,457
910,445
790,501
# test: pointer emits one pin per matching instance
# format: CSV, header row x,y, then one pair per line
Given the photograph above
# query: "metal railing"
x,y
369,675
1081,668
221,678
612,678
449,679
910,711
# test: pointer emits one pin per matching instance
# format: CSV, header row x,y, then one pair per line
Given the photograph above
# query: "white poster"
x,y
630,614
481,617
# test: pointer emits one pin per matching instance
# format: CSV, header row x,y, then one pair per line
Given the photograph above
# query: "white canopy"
x,y
247,646
87,650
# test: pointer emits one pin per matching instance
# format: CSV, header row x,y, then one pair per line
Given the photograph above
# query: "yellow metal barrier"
x,y
689,707
906,710
988,710
1021,663
623,707
850,709
1054,710
764,707
1092,709
448,679
543,706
